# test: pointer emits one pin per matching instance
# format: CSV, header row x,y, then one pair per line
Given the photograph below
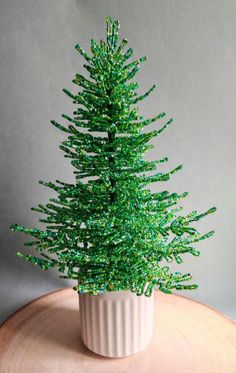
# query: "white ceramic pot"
x,y
117,323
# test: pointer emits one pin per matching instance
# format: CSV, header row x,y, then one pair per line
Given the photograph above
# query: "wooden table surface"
x,y
44,337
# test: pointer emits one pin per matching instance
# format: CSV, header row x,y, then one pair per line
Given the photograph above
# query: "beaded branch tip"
x,y
108,231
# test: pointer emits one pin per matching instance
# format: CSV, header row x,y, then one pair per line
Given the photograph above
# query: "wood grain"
x,y
44,337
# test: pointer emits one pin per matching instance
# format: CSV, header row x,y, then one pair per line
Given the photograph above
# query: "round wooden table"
x,y
44,337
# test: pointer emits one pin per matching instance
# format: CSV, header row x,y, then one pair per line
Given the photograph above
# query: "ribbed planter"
x,y
117,323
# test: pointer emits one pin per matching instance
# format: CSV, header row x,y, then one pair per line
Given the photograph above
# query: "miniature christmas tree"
x,y
107,230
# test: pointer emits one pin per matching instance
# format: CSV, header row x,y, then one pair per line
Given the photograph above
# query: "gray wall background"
x,y
191,53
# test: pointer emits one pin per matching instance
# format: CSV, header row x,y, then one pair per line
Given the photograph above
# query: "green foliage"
x,y
108,231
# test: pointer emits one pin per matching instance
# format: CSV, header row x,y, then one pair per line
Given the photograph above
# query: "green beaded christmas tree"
x,y
107,230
